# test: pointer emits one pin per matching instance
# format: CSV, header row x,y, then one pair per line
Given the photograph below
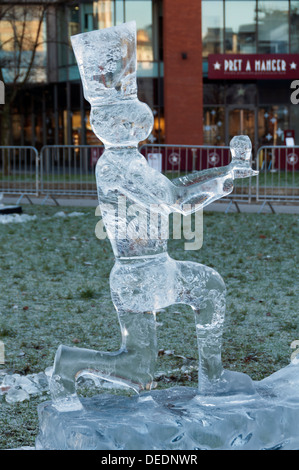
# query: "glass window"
x,y
141,12
119,12
273,26
213,94
23,44
214,128
272,122
273,92
86,17
212,27
241,93
104,13
240,26
294,25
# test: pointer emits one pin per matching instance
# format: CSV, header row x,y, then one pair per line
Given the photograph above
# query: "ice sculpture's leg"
x,y
204,290
132,365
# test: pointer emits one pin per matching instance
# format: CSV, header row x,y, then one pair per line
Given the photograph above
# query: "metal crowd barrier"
x,y
68,170
278,178
178,160
19,170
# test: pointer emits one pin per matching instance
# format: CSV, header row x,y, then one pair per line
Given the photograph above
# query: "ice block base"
x,y
178,419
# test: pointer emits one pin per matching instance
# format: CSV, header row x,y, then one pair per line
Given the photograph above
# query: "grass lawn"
x,y
54,277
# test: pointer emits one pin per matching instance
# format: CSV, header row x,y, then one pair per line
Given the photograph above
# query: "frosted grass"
x,y
55,288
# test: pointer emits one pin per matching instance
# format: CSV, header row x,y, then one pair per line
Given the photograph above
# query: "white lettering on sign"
x,y
261,66
273,65
233,65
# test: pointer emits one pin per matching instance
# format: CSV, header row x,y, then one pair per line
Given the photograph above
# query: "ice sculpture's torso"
x,y
133,229
107,63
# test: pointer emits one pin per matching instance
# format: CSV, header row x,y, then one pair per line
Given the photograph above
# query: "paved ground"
x,y
224,206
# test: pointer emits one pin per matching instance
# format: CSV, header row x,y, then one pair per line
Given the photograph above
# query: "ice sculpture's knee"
x,y
215,281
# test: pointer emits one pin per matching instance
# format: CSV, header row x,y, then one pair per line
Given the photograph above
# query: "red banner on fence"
x,y
253,66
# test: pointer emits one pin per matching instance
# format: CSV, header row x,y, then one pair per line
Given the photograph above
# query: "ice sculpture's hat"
x,y
107,63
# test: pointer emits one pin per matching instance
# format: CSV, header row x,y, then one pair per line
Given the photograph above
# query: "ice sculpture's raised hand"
x,y
240,147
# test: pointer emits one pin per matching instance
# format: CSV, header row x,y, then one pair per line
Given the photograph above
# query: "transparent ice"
x,y
145,278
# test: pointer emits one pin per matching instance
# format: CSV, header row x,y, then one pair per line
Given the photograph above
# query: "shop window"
x,y
214,126
76,128
272,122
240,26
241,93
212,27
273,26
213,93
273,92
16,122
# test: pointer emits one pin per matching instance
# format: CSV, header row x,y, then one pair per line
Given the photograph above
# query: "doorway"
x,y
242,121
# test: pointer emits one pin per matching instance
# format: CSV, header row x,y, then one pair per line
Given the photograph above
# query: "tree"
x,y
22,55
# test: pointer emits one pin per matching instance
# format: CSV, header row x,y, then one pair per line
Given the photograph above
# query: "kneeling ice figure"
x,y
144,277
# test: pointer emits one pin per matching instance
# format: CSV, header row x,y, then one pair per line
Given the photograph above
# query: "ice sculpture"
x,y
145,278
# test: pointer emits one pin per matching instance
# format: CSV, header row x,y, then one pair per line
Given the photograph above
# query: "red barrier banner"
x,y
253,66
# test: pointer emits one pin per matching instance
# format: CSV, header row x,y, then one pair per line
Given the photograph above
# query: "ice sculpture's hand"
x,y
242,169
241,150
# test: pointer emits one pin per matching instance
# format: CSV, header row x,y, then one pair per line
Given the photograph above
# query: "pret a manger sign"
x,y
253,66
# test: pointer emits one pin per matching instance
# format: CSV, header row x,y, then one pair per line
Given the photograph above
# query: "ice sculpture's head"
x,y
107,63
240,147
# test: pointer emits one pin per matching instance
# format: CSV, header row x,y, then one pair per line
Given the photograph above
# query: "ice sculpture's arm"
x,y
146,186
203,187
200,188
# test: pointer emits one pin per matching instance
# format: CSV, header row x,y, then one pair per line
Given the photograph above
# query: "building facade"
x,y
49,107
189,72
250,54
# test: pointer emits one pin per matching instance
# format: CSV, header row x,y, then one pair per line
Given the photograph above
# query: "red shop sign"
x,y
253,66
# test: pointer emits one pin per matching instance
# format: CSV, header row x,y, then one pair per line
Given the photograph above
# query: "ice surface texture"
x,y
144,277
179,419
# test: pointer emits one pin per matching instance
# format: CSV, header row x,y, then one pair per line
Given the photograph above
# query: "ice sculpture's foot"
x,y
63,399
116,367
62,383
229,383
